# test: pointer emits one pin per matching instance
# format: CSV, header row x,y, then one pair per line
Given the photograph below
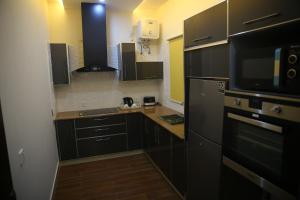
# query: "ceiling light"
x,y
102,1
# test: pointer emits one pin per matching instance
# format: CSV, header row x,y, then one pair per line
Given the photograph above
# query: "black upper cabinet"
x,y
206,27
149,70
60,63
134,130
66,139
249,15
94,35
126,60
208,62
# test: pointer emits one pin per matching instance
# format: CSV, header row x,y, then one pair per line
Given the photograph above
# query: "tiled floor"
x,y
126,178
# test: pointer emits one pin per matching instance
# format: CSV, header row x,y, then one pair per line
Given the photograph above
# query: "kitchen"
x,y
152,99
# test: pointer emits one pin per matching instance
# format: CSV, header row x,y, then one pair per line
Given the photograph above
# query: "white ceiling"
x,y
128,5
151,4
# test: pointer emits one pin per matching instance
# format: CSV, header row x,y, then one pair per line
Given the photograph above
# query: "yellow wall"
x,y
176,70
65,26
171,16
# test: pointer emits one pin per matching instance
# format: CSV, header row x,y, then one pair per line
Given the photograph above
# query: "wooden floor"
x,y
126,178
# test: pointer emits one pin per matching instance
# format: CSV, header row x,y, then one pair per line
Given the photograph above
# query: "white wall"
x,y
101,90
25,93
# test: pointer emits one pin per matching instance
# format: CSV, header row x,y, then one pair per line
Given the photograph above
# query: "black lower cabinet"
x,y
66,140
134,130
163,151
102,145
178,164
204,168
167,152
149,137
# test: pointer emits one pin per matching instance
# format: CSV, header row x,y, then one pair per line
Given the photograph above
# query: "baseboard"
x,y
101,157
54,181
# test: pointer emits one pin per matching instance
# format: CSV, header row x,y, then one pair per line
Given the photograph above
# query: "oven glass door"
x,y
264,145
255,144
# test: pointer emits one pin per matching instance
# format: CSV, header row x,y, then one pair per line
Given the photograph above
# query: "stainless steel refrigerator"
x,y
6,191
204,146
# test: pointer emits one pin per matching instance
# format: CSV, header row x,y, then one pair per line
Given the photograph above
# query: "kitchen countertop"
x,y
153,113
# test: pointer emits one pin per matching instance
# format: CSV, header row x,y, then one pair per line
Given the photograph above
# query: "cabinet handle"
x,y
101,119
103,139
261,18
202,38
102,129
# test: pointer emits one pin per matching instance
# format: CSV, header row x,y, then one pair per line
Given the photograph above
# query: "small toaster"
x,y
149,101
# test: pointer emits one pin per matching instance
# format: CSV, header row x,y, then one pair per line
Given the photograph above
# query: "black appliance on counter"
x,y
261,144
128,101
6,191
204,146
267,61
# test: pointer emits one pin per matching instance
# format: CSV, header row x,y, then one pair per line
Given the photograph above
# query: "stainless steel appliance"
x,y
265,63
149,101
204,150
260,141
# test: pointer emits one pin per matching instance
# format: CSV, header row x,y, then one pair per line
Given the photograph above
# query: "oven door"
x,y
264,146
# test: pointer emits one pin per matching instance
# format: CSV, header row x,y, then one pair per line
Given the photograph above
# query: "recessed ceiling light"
x,y
102,1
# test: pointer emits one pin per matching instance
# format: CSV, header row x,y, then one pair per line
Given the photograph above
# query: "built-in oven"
x,y
266,62
261,141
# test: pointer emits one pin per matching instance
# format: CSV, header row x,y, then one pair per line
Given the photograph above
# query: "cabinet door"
x,y
102,145
178,165
249,15
204,167
206,27
60,65
149,70
149,136
134,130
127,64
208,62
66,141
163,153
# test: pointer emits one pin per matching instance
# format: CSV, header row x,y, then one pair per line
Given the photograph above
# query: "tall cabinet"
x,y
206,57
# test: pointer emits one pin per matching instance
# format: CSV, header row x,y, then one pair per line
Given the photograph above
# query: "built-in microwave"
x,y
266,62
260,141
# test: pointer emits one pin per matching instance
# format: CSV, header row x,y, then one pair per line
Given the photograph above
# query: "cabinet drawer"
x,y
249,15
102,145
206,27
101,131
100,121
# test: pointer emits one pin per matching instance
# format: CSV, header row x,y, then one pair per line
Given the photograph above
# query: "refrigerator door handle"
x,y
257,180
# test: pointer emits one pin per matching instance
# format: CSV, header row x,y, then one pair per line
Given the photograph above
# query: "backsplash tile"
x,y
101,90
